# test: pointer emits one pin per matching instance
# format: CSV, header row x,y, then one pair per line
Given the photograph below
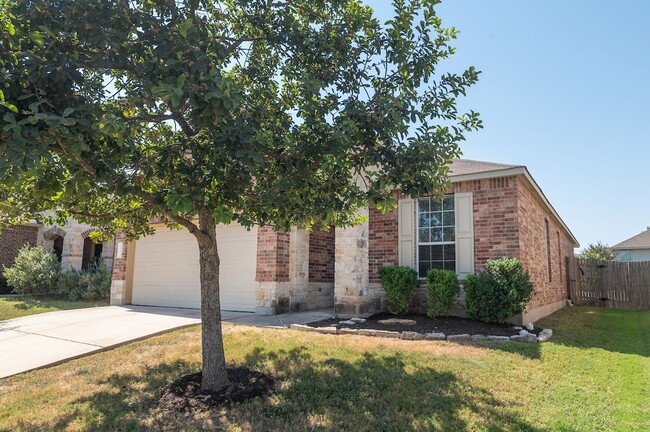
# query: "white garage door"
x,y
166,269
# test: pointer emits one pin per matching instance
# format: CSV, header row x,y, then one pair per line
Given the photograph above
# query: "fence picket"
x,y
609,283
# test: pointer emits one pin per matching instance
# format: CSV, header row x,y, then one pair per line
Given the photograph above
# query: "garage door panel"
x,y
166,269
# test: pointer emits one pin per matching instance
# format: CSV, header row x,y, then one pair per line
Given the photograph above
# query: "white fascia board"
x,y
488,174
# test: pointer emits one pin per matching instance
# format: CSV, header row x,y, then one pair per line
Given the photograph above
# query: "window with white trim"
x,y
436,234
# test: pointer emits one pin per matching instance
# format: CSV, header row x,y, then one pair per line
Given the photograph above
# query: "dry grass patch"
x,y
330,383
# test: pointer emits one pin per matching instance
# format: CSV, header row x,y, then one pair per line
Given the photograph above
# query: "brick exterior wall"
x,y
509,221
272,255
496,232
119,264
533,245
321,256
382,242
12,239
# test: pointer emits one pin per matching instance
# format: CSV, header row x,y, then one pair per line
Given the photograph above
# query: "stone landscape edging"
x,y
524,336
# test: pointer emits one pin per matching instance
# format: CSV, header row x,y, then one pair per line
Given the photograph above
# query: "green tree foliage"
x,y
201,112
400,283
499,292
35,271
442,289
597,251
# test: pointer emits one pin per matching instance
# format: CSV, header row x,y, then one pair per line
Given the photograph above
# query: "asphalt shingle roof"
x,y
639,241
466,166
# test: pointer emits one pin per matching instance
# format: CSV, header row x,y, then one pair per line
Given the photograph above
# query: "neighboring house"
x,y
492,211
71,244
634,249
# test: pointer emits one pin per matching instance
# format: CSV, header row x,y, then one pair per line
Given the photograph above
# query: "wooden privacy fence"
x,y
612,284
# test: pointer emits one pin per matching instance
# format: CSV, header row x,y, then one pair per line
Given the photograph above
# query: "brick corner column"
x,y
272,291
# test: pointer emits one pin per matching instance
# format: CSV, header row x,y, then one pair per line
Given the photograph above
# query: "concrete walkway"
x,y
47,339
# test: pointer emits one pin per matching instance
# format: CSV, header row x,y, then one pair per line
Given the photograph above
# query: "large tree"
x,y
201,112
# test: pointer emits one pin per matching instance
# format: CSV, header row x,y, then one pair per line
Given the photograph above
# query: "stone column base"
x,y
117,292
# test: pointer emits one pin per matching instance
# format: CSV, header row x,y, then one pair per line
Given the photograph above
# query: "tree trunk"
x,y
214,362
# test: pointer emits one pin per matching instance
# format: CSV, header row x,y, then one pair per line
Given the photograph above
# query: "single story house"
x,y
491,211
634,249
71,244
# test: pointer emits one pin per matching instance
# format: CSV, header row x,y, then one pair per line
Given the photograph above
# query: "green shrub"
x,y
442,288
400,284
501,291
5,288
35,271
91,284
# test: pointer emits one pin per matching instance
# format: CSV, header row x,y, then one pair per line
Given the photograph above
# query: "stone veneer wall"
x,y
73,234
353,295
12,239
118,284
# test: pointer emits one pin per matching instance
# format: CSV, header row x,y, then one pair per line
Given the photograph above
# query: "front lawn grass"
x,y
594,375
16,306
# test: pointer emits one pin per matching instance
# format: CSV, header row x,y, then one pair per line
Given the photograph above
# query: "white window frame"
x,y
417,233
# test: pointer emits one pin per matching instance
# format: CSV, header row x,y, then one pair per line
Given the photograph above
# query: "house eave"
x,y
624,248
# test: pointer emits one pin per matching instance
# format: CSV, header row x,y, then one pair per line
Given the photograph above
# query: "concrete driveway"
x,y
46,339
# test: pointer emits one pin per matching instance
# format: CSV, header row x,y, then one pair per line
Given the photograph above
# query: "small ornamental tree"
x,y
597,251
201,112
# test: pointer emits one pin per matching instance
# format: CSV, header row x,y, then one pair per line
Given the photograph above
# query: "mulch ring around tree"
x,y
424,324
185,395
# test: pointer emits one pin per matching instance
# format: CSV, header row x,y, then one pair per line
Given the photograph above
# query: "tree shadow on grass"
x,y
374,393
377,392
124,403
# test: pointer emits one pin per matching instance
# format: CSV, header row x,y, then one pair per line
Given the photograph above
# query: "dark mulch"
x,y
424,324
185,395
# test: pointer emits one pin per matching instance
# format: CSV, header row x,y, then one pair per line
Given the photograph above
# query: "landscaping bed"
x,y
419,327
185,394
424,324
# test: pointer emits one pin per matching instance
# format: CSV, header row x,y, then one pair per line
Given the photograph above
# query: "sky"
x,y
565,91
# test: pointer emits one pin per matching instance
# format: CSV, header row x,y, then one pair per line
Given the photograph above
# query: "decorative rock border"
x,y
524,336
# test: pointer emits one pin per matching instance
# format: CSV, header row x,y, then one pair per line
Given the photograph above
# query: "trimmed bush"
x,y
91,284
35,271
442,289
501,291
400,284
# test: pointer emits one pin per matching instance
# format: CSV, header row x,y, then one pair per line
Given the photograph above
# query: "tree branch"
x,y
100,216
193,229
77,157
